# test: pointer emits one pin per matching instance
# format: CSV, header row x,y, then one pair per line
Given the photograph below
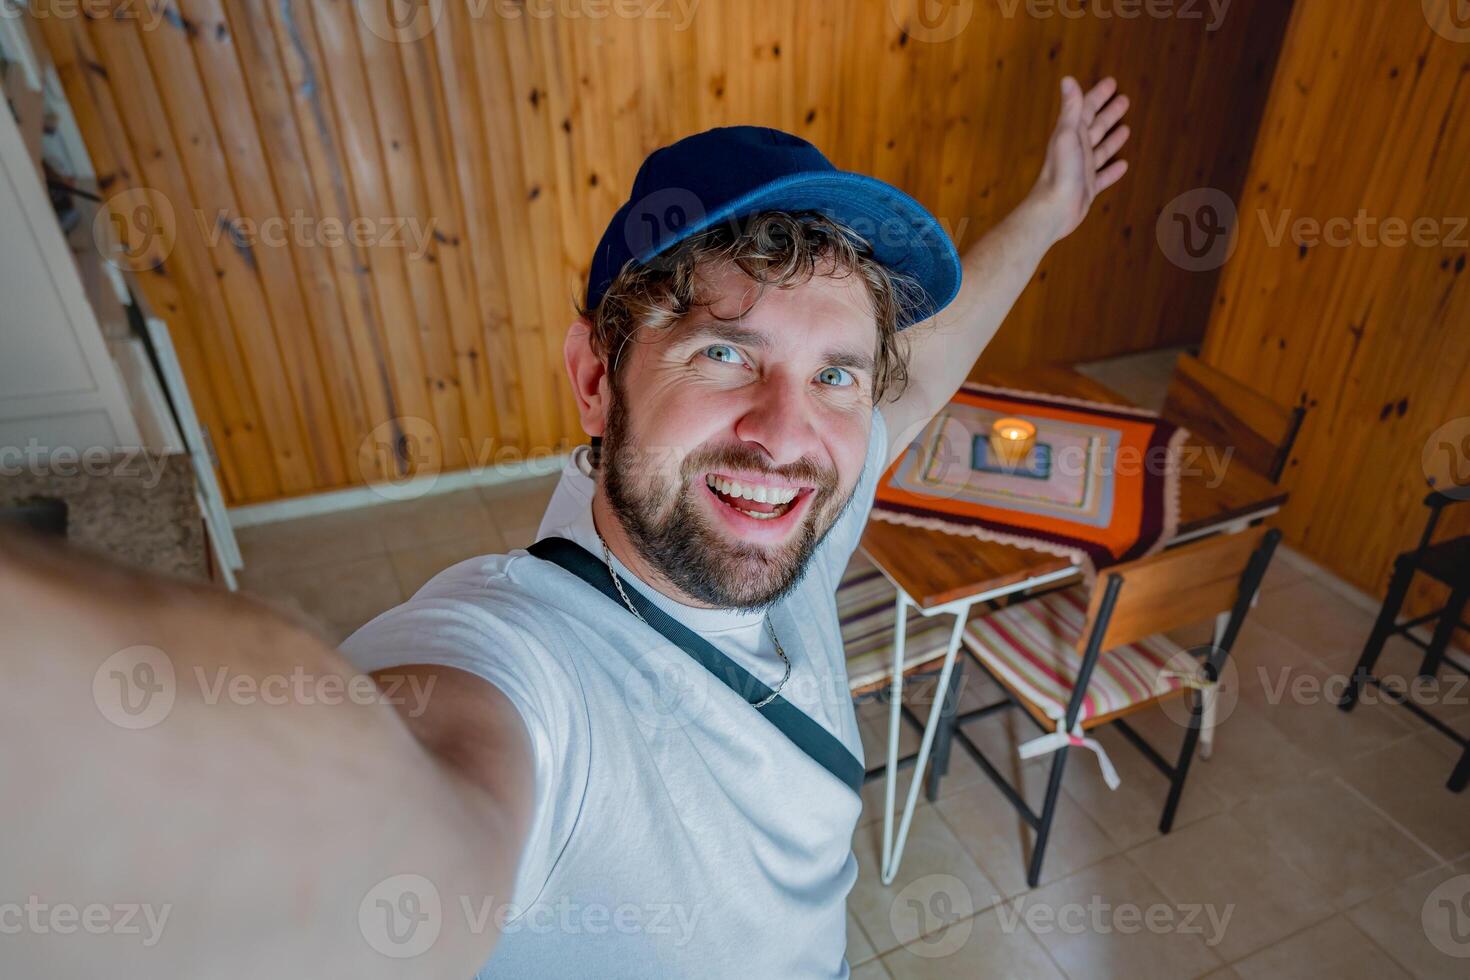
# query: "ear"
x,y
588,373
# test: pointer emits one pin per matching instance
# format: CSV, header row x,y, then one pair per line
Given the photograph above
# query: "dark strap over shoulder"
x,y
810,737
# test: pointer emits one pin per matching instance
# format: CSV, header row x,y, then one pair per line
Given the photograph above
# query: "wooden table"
x,y
935,568
937,573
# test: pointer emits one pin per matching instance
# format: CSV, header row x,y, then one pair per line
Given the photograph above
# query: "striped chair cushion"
x,y
865,608
1031,648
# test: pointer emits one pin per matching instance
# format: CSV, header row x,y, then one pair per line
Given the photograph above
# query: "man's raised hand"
x,y
1079,158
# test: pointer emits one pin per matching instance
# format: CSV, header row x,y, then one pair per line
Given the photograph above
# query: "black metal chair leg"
x,y
1403,574
1461,775
1449,620
944,732
1048,811
1181,769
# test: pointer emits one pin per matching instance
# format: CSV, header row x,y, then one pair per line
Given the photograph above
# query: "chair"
x,y
1224,412
1461,775
1075,661
1448,562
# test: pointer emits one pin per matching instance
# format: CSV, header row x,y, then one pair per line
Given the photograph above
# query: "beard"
x,y
664,523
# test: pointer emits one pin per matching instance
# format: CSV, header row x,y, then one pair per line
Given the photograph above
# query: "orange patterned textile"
x,y
1100,486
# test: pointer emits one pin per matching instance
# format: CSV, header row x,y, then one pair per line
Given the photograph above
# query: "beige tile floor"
x,y
1310,845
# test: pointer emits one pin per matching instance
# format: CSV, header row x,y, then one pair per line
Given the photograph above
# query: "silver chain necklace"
x,y
618,584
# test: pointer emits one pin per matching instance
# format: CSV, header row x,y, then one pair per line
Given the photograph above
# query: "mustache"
x,y
741,457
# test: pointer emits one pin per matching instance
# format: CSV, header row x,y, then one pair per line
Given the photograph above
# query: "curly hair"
x,y
778,249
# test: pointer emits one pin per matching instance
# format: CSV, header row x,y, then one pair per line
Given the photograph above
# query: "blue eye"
x,y
723,353
835,376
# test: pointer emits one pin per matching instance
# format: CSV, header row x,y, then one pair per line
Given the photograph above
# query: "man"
x,y
634,755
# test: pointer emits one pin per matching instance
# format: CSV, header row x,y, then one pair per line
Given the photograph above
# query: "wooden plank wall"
x,y
1368,115
513,136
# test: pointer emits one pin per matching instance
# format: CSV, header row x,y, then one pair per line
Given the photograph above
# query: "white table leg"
x,y
1207,732
895,718
1222,623
1207,735
893,851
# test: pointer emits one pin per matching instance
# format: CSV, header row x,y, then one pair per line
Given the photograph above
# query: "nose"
x,y
778,418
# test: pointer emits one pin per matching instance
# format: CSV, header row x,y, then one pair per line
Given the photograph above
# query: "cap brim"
x,y
904,236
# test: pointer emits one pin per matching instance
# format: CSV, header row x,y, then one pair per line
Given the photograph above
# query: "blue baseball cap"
x,y
725,174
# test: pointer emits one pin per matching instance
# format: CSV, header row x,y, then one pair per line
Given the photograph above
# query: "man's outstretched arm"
x,y
1079,166
227,797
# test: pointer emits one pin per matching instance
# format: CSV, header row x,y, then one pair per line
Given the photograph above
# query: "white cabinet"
x,y
59,388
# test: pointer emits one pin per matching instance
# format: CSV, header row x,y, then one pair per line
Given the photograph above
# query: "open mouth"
x,y
758,501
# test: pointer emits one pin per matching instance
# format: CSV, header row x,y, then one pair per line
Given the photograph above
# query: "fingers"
x,y
1099,96
1110,146
1107,118
1073,104
1110,175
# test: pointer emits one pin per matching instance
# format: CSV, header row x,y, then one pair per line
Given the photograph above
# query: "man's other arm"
x,y
1079,165
256,828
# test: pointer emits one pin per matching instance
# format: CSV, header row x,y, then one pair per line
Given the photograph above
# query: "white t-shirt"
x,y
677,832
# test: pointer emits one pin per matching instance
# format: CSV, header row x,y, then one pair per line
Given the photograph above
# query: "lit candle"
x,y
1011,441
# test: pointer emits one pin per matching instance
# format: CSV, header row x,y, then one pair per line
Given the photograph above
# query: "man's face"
x,y
732,446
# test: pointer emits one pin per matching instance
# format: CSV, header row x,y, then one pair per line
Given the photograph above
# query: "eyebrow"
x,y
850,360
734,333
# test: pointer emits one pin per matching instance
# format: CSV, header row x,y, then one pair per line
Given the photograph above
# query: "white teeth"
x,y
760,493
